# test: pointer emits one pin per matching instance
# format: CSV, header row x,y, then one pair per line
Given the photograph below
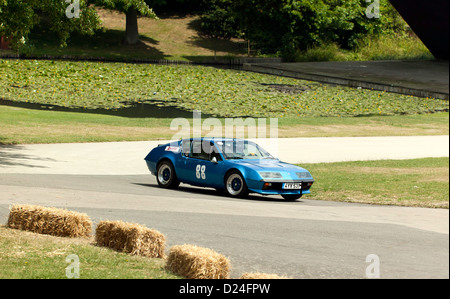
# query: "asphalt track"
x,y
423,78
302,239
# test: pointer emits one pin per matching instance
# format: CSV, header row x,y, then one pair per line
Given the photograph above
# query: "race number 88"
x,y
200,172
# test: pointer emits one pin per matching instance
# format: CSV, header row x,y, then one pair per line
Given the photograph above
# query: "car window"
x,y
240,149
200,150
215,153
204,150
186,147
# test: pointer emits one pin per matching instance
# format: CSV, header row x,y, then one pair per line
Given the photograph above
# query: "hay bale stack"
x,y
195,262
261,276
130,238
49,221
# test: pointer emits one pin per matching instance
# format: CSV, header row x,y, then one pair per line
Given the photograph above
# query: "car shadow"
x,y
222,194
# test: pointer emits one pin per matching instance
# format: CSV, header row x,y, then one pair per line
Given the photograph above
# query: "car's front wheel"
x,y
235,184
166,175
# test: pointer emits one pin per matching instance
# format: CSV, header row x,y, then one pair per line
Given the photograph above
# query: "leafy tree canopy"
x,y
125,5
18,17
286,26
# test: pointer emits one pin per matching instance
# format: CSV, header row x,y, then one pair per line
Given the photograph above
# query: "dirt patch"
x,y
363,198
357,130
398,171
82,133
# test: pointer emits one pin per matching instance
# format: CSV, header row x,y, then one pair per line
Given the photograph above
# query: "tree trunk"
x,y
132,34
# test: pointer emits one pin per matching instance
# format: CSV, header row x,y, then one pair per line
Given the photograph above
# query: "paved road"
x,y
303,239
126,158
423,78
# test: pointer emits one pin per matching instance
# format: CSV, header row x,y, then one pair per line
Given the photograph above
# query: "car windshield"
x,y
242,149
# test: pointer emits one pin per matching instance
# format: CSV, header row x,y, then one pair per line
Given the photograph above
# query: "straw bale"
x,y
195,262
261,276
50,221
130,238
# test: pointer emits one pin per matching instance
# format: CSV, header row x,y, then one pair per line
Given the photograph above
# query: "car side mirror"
x,y
214,160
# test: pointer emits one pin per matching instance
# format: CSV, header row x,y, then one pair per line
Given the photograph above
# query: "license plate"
x,y
296,186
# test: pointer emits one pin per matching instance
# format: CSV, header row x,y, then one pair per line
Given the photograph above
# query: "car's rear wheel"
x,y
166,175
291,197
235,184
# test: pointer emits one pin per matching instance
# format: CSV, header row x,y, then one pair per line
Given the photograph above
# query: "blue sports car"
x,y
234,165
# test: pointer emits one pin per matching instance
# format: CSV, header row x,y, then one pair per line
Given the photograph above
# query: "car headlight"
x,y
303,175
271,175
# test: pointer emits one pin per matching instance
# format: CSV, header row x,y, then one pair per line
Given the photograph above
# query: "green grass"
x,y
171,37
385,47
25,255
27,126
417,182
393,47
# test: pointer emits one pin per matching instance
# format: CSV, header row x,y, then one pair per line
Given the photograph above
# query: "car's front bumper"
x,y
275,187
151,166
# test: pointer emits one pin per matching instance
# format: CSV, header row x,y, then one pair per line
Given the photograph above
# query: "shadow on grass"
x,y
231,46
150,109
106,43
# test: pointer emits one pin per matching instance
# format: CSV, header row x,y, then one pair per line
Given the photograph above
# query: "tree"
x,y
131,8
218,21
18,18
280,25
288,26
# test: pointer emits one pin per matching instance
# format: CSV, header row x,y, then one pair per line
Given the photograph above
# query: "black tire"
x,y
166,176
235,185
291,197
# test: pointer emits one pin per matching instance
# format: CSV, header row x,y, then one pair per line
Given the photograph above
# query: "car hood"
x,y
265,164
273,165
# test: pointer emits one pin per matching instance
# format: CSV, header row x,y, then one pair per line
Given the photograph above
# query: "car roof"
x,y
213,139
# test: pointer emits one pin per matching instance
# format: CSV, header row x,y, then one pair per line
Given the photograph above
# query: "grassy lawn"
x,y
402,47
27,126
172,37
25,255
417,182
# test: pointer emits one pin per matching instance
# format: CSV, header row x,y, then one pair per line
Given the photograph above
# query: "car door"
x,y
203,172
184,175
